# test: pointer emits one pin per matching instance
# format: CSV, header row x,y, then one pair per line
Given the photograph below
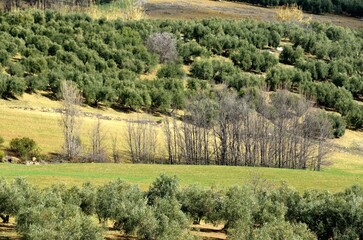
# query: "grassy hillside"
x,y
198,9
34,116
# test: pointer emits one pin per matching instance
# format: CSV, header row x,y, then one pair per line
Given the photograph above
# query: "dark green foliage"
x,y
171,71
214,70
54,220
200,203
241,81
286,78
163,187
25,147
290,55
191,50
122,203
354,117
255,211
171,221
15,196
338,125
38,50
350,7
332,215
10,86
250,59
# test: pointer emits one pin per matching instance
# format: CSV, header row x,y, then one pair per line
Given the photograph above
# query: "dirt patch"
x,y
198,9
8,232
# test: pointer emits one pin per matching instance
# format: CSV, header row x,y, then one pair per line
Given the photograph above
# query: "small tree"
x,y
70,119
318,128
163,187
98,152
115,150
164,45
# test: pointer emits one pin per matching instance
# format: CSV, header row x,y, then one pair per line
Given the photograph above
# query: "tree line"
x,y
281,130
257,210
349,7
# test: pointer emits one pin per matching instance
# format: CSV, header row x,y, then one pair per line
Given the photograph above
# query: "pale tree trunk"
x,y
71,120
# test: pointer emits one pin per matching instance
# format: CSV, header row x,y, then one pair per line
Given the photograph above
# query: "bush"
x,y
57,221
199,203
16,196
171,71
290,55
338,125
122,203
163,187
25,147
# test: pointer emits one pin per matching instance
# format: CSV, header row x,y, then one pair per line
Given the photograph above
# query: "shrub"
x,y
338,125
122,203
25,147
16,196
171,71
163,187
199,203
54,220
290,55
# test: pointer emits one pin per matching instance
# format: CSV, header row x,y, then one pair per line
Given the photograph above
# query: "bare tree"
x,y
142,141
164,45
98,152
115,150
318,129
70,119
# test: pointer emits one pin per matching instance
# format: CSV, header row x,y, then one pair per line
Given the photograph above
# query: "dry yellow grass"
x,y
34,116
290,13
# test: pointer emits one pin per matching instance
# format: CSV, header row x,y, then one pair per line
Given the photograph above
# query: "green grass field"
x,y
345,160
220,177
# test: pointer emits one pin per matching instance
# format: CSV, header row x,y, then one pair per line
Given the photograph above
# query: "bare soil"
x,y
7,232
199,9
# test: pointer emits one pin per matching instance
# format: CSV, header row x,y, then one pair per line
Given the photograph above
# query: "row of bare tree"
x,y
280,130
272,130
8,5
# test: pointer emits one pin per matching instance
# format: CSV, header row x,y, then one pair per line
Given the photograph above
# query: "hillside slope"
x,y
35,116
199,9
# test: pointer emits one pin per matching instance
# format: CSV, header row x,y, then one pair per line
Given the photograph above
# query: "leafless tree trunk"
x,y
142,141
115,150
70,120
318,129
98,153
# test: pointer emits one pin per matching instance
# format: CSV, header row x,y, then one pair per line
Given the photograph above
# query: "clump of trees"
x,y
257,210
281,131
